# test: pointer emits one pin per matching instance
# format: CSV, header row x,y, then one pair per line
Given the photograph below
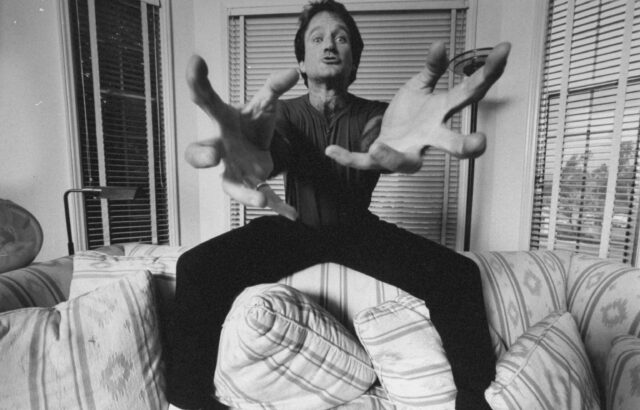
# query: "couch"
x,y
565,327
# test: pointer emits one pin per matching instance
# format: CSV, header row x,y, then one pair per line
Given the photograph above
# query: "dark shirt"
x,y
322,191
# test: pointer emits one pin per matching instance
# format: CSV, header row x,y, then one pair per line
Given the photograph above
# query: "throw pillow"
x,y
546,368
93,269
623,374
279,349
100,350
145,249
407,354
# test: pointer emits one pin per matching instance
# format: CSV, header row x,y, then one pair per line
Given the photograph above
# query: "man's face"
x,y
327,56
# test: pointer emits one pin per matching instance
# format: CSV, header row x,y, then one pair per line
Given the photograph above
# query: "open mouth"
x,y
330,60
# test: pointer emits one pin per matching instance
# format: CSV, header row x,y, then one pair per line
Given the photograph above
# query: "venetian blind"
x,y
396,44
587,174
120,115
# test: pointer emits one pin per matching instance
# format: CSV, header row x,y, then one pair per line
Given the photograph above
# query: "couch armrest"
x,y
41,284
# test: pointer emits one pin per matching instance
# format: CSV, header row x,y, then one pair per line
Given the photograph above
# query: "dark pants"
x,y
212,274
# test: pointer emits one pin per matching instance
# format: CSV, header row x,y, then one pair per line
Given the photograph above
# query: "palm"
x,y
244,139
416,117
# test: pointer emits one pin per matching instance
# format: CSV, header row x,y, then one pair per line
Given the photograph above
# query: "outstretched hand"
x,y
416,117
244,140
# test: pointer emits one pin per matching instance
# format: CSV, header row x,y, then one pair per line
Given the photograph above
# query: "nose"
x,y
329,44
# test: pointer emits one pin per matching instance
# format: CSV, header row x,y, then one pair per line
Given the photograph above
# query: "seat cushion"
x,y
279,349
407,354
102,347
547,369
603,297
623,374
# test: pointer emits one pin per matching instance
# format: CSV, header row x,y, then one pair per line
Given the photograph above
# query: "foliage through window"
x,y
118,83
587,168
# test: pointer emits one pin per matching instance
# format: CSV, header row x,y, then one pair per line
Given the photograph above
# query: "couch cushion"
x,y
145,249
407,354
623,374
521,288
342,291
547,368
603,297
38,285
100,348
279,349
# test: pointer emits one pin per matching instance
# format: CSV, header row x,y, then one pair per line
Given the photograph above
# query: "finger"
x,y
201,91
204,154
277,204
358,160
273,201
242,193
436,64
458,145
474,88
395,161
276,85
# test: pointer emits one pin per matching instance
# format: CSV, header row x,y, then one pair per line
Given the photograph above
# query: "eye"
x,y
342,39
316,39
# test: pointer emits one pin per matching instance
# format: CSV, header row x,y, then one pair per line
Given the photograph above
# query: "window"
x,y
117,59
587,174
396,44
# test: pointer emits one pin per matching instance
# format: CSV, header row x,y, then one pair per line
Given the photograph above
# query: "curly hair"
x,y
340,11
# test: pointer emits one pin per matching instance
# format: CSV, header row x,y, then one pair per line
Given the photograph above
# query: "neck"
x,y
327,100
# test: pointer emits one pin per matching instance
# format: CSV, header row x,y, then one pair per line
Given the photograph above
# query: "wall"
x,y
502,200
34,170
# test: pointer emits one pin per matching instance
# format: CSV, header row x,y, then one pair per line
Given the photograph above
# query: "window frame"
x,y
76,202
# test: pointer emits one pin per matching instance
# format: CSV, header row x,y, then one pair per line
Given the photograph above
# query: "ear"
x,y
302,67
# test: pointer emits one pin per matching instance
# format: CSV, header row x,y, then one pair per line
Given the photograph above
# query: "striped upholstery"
x,y
547,369
38,285
623,374
278,349
603,297
143,249
521,289
343,292
407,354
100,350
373,399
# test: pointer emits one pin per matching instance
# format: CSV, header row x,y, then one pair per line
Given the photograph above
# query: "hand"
x,y
416,117
244,140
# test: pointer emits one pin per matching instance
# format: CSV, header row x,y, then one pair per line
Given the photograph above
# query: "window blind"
x,y
587,175
117,58
396,44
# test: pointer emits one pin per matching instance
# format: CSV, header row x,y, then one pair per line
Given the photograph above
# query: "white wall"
x,y
34,161
502,199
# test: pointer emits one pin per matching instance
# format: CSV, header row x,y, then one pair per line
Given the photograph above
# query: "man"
x,y
333,146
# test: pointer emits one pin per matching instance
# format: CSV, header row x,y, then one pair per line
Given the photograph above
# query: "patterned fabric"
x,y
407,354
547,368
520,289
100,350
143,249
279,349
93,269
373,399
603,298
38,285
623,374
343,292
